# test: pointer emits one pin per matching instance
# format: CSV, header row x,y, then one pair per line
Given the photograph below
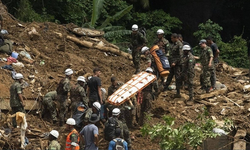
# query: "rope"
x,y
34,103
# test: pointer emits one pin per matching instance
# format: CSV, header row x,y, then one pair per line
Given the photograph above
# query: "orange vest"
x,y
68,141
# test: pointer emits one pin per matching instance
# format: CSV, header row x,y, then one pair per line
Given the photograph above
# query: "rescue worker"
x,y
63,94
188,63
115,85
137,42
123,126
78,94
16,98
95,109
162,42
94,88
152,64
216,53
207,63
184,42
147,98
73,138
175,54
53,136
49,105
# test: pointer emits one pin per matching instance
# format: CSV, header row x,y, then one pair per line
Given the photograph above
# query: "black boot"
x,y
208,89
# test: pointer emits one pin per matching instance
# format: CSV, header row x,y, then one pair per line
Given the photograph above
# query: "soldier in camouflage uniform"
x,y
175,54
115,85
16,97
54,145
188,63
117,114
137,42
1,22
63,93
48,103
207,63
147,95
162,42
78,94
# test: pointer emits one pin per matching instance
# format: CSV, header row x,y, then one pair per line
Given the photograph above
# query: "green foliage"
x,y
208,29
97,7
154,20
26,13
235,52
187,135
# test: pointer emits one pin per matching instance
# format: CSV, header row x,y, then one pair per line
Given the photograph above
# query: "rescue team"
x,y
117,120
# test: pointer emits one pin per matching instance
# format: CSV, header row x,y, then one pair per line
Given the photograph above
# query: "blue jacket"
x,y
112,144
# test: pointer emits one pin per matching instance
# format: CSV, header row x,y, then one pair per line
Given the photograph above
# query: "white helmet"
x,y
149,69
68,72
71,121
186,47
135,27
116,111
81,78
18,76
160,31
97,105
144,49
54,133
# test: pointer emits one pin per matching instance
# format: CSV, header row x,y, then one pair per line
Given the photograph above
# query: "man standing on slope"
x,y
137,42
63,93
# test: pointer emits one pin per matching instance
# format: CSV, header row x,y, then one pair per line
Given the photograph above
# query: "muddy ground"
x,y
82,60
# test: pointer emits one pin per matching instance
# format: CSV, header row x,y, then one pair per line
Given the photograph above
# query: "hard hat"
x,y
135,27
149,69
186,47
81,78
89,77
71,121
144,49
202,41
116,111
160,31
54,133
18,76
97,105
68,72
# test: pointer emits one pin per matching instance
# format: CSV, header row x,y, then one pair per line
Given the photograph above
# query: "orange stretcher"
x,y
129,89
162,71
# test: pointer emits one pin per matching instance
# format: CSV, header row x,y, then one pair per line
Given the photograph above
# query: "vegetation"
x,y
188,135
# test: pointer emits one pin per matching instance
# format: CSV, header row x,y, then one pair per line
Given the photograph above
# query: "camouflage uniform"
x,y
137,42
188,63
49,104
150,59
77,95
111,90
147,95
54,145
62,95
205,56
1,20
175,54
15,102
163,45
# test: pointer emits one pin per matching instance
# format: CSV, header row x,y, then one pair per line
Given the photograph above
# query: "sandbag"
x,y
79,114
6,47
160,60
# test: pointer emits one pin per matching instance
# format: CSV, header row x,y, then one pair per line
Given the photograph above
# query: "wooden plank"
x,y
211,94
5,105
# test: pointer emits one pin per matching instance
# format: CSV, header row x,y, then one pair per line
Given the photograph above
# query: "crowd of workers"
x,y
88,92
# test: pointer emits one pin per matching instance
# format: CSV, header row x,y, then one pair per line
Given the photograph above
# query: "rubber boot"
x,y
178,94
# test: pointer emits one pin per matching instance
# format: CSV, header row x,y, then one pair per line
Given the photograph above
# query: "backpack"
x,y
109,130
119,144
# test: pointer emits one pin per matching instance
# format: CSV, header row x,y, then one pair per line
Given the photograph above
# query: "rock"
x,y
246,88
